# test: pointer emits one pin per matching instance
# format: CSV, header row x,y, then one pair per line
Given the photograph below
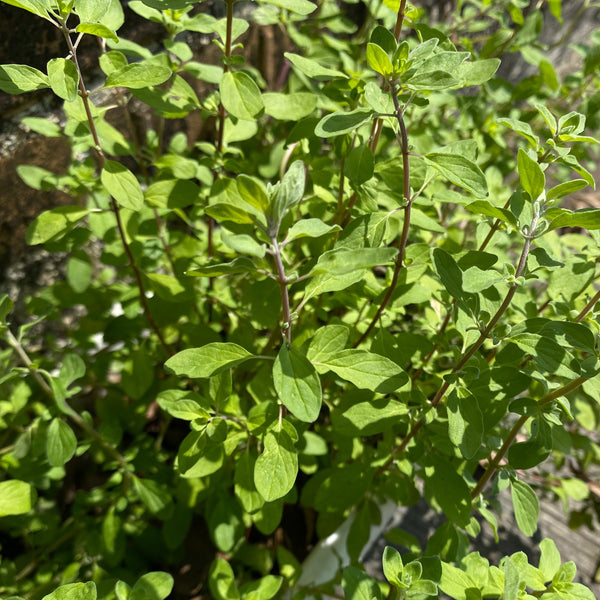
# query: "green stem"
x,y
416,427
494,463
115,209
403,138
283,283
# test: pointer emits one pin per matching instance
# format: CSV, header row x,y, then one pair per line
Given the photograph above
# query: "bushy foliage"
x,y
368,285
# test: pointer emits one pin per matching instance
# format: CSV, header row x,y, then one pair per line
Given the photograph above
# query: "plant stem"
x,y
495,462
475,346
400,19
62,404
113,203
403,138
588,307
283,283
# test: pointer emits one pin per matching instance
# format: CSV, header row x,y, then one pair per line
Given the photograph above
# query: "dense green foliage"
x,y
367,283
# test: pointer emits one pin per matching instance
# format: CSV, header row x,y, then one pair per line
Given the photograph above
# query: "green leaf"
x,y
16,79
208,360
549,559
155,585
16,497
451,492
357,585
339,262
91,11
365,370
264,588
244,488
532,177
526,506
460,171
182,405
138,75
339,123
312,68
521,128
456,583
475,280
448,271
61,443
122,185
584,218
564,189
37,7
241,264
312,228
53,224
327,341
297,384
98,30
379,60
221,580
172,193
357,419
511,580
290,192
74,591
276,468
431,81
79,271
150,492
42,126
478,72
63,77
482,207
289,107
301,7
360,165
528,454
465,423
241,96
392,566
253,192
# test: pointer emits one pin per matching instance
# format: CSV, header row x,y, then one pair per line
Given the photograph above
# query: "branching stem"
x,y
403,138
283,285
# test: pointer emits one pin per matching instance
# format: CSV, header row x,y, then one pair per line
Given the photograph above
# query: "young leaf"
x,y
98,30
392,566
526,506
301,7
208,360
564,189
532,177
221,580
276,468
549,559
61,443
63,77
122,185
16,79
138,75
379,60
460,171
289,193
297,384
241,96
74,591
16,497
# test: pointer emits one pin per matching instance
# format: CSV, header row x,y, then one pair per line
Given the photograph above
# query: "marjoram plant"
x,y
365,283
